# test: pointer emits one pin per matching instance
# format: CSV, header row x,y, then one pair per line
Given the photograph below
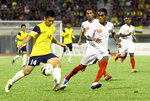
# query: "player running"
x,y
21,35
127,35
43,35
85,27
97,37
68,35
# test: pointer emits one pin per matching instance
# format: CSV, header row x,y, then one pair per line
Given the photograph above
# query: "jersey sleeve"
x,y
18,35
36,30
121,30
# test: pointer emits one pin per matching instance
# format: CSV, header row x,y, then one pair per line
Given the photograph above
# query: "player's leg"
x,y
62,54
100,72
55,62
132,62
17,56
123,58
70,53
24,59
18,76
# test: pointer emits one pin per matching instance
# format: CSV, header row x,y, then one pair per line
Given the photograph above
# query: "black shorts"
x,y
23,49
70,47
35,60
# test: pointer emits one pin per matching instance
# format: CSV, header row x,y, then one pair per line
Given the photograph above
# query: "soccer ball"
x,y
47,69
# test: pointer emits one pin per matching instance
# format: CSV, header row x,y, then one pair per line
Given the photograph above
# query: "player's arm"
x,y
18,37
93,39
122,35
59,43
25,40
115,38
64,34
73,36
80,39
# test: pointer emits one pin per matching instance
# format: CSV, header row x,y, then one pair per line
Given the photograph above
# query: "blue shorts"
x,y
70,47
21,50
35,60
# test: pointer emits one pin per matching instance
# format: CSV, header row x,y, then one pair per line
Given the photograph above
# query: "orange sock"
x,y
104,64
132,62
101,70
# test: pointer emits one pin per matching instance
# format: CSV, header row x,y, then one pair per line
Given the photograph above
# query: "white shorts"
x,y
92,55
126,47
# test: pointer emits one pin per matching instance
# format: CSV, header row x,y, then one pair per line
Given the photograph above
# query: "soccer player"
x,y
68,35
127,35
97,49
43,35
21,35
85,27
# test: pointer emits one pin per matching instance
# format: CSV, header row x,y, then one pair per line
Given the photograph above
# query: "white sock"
x,y
16,57
70,56
24,59
62,56
18,76
57,75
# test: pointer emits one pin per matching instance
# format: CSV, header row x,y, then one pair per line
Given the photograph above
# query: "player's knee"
x,y
26,72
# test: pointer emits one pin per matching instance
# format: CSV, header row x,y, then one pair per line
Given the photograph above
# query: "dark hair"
x,y
90,9
23,25
50,13
127,17
103,10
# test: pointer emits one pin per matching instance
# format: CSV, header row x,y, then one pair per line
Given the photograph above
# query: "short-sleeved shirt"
x,y
101,32
43,36
86,26
125,29
21,35
67,39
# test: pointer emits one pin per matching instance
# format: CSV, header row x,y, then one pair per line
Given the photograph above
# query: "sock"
x,y
122,59
24,59
16,57
74,71
18,76
57,75
101,71
62,56
104,64
70,56
132,62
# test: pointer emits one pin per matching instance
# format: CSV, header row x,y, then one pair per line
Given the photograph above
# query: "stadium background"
x,y
124,86
72,11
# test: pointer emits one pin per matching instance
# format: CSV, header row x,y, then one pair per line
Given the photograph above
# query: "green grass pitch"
x,y
37,87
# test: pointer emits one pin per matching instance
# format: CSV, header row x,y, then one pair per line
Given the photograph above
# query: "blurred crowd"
x,y
139,10
66,10
74,10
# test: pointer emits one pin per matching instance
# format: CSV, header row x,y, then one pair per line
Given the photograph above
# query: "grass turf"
x,y
124,85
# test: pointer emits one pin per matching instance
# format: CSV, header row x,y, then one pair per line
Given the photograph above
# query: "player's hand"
x,y
119,45
67,34
20,46
79,42
98,40
65,46
74,38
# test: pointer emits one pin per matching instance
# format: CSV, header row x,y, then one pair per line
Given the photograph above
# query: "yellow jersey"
x,y
67,39
43,36
21,35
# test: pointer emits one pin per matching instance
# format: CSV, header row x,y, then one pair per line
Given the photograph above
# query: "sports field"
x,y
124,85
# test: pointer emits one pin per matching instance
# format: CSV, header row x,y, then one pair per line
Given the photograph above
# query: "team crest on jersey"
x,y
99,30
127,30
87,28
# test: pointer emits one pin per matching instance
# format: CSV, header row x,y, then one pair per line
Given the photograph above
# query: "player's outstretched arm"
x,y
59,43
25,40
135,39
